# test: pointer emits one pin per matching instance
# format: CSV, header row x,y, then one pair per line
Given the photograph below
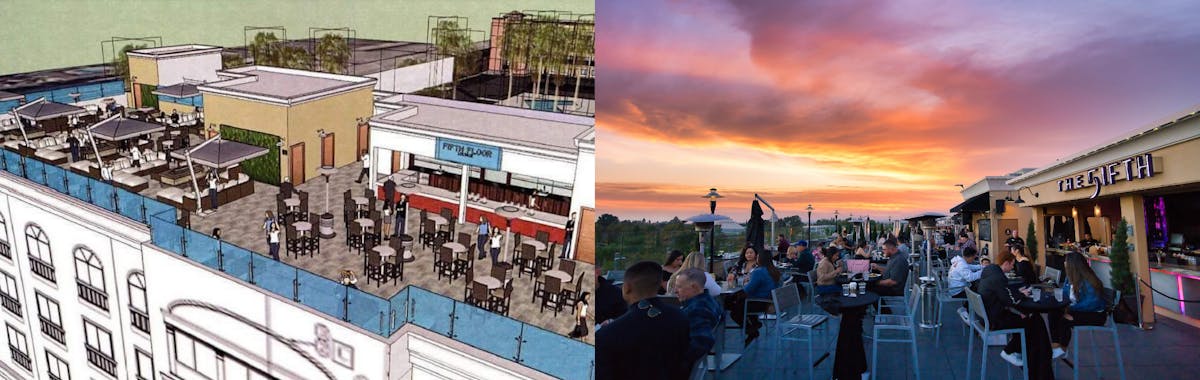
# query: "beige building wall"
x,y
141,71
337,114
1177,166
167,107
1011,211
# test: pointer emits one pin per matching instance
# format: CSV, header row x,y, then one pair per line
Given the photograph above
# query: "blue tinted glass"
x,y
368,311
202,248
274,276
130,205
77,186
488,331
236,261
321,293
399,306
102,195
545,351
34,170
55,177
429,310
166,234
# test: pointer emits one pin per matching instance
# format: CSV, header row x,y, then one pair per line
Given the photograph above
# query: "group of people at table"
x,y
641,336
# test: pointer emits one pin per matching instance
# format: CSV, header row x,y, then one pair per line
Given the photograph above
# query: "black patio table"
x,y
844,278
1045,304
850,357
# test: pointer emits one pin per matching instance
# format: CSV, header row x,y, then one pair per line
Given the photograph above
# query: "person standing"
x,y
1013,238
570,231
212,188
268,225
73,142
497,243
581,312
387,220
389,192
781,245
349,279
136,157
481,240
273,241
401,215
366,162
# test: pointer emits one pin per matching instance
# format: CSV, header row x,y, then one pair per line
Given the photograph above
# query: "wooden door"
x,y
585,236
364,133
327,151
396,160
137,95
297,164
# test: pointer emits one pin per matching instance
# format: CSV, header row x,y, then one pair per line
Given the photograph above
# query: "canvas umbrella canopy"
x,y
217,153
118,128
41,109
8,96
754,228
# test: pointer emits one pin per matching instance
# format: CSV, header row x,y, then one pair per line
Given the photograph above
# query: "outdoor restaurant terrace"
x,y
520,310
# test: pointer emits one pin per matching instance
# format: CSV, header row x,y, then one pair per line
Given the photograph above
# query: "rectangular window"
x,y
18,345
185,350
145,364
9,294
50,318
99,343
57,368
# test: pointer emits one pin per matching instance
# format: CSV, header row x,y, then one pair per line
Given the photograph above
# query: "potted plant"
x,y
1122,279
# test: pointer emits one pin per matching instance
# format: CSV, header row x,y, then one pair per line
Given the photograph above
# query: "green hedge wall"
x,y
263,169
148,97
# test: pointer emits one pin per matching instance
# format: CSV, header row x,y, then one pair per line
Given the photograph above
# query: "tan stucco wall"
x,y
1011,211
144,69
1177,165
337,114
245,114
166,107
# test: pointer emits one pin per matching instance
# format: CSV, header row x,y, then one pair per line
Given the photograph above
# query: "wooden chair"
x,y
543,237
427,233
354,237
526,261
500,305
499,273
552,295
444,263
304,203
374,268
291,237
470,273
567,266
464,239
570,297
478,296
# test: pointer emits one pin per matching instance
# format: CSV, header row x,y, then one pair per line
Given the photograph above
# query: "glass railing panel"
x,y
77,186
12,161
159,209
130,205
34,170
321,293
102,195
486,330
274,276
399,313
236,261
56,178
166,234
202,248
431,311
368,311
544,351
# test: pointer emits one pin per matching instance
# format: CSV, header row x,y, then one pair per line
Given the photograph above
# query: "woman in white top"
x,y
496,242
696,260
137,157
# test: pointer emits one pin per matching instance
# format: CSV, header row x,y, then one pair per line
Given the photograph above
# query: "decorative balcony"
x,y
93,295
10,303
100,360
42,268
53,330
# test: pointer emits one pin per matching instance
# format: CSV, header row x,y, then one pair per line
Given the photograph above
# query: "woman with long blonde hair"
x,y
696,260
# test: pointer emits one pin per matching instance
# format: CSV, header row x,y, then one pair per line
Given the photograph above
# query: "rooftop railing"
x,y
520,342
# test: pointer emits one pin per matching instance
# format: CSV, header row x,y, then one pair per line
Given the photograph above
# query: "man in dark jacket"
x,y
703,314
650,340
609,304
389,192
1000,303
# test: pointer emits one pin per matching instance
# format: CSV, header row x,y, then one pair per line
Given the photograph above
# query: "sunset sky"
x,y
873,109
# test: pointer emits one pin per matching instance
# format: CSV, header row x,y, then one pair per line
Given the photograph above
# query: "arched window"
x,y
137,291
137,302
88,268
41,262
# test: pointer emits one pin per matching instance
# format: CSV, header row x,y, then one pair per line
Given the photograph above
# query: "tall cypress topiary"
x,y
1031,242
1122,279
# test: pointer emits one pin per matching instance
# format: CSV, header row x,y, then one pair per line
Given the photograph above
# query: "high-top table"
x,y
850,357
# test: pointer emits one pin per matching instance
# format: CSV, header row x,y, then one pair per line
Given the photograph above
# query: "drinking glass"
x,y
862,288
1037,294
845,290
1058,294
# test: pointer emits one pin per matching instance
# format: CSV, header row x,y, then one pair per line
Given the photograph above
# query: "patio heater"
x,y
712,210
706,224
325,230
808,235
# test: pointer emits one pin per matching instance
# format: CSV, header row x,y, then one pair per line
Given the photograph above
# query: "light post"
x,y
837,223
712,210
808,235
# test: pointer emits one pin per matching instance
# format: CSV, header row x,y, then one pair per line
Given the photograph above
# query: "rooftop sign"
x,y
468,153
1137,167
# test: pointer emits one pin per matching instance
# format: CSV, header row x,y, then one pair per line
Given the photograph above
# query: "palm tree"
x,y
516,48
295,58
451,40
121,63
560,56
265,49
333,54
584,51
542,39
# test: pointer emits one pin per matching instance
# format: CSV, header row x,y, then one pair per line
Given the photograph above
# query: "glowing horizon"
x,y
868,110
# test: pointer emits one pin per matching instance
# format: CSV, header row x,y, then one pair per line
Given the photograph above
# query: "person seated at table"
x,y
1013,238
695,260
702,312
1087,241
861,251
830,267
763,279
895,274
1000,304
800,258
671,265
650,339
1088,305
963,271
964,241
1024,266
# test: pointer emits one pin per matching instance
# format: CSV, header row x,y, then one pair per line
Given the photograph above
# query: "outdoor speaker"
x,y
999,206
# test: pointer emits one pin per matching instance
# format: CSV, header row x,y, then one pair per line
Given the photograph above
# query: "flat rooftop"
x,y
53,78
536,129
174,50
286,84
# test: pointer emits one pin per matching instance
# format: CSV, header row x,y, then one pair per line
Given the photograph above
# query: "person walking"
x,y
273,241
136,157
570,231
73,142
497,242
268,225
366,162
482,240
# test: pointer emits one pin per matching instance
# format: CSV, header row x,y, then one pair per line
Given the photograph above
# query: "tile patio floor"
x,y
241,222
1166,352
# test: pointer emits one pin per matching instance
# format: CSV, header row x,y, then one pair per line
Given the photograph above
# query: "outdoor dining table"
x,y
438,219
535,244
366,223
564,276
1046,303
384,251
850,357
302,227
492,283
722,360
292,202
457,248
